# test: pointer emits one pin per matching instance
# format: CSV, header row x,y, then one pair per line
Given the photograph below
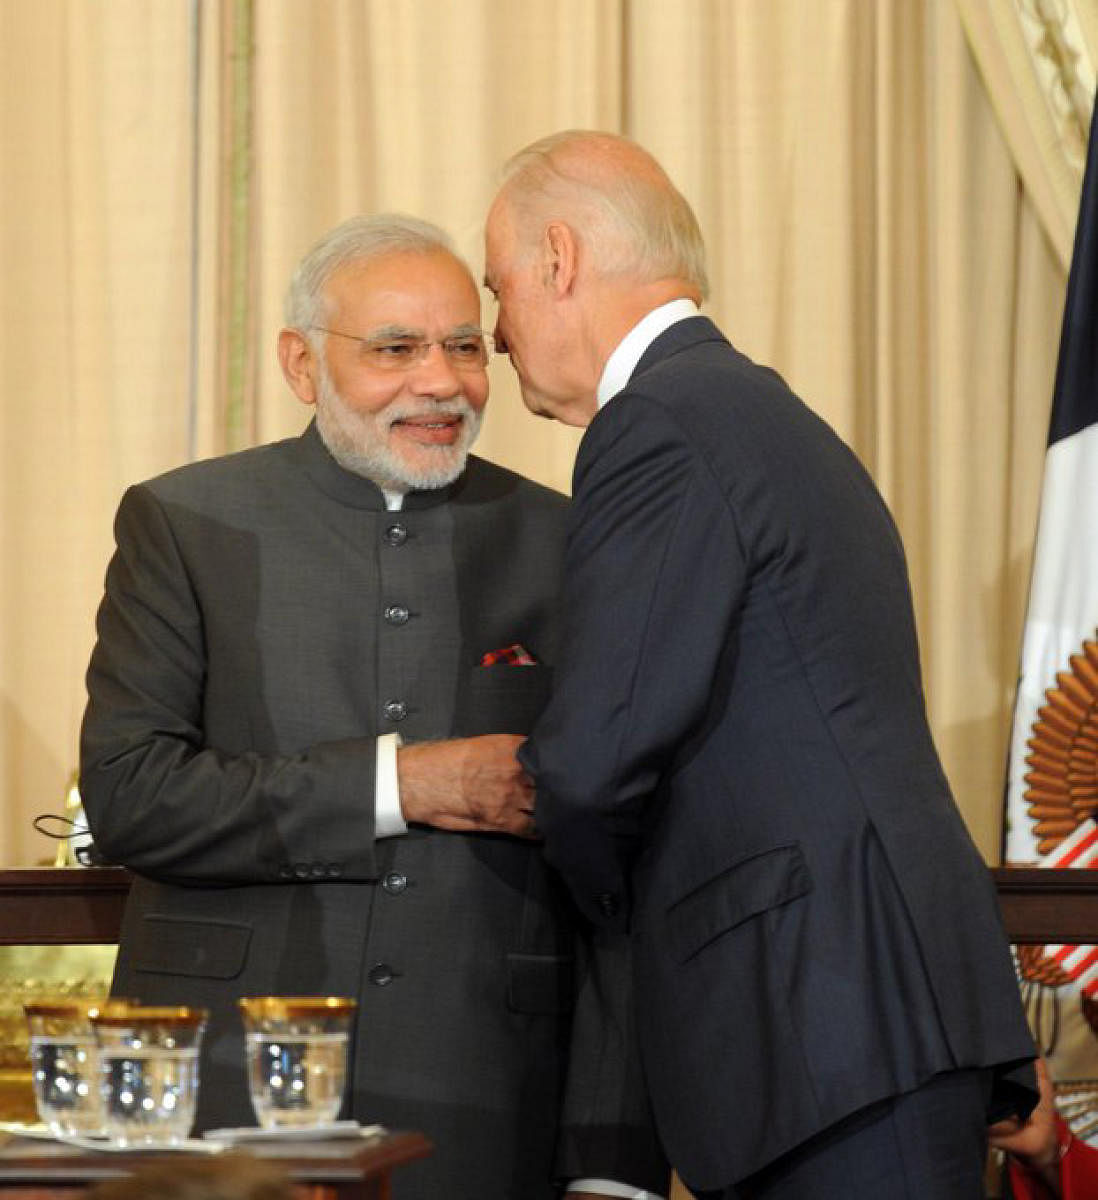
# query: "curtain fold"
x,y
94,321
1038,60
870,239
871,235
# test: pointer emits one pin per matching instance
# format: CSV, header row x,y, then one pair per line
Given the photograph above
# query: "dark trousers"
x,y
930,1144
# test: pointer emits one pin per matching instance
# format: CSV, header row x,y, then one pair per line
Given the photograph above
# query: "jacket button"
x,y
381,974
396,710
334,870
396,535
395,883
301,870
608,904
285,871
397,614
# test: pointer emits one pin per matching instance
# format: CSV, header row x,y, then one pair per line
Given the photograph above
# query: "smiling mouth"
x,y
430,429
429,422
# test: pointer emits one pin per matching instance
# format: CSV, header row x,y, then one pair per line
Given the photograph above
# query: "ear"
x,y
298,363
561,253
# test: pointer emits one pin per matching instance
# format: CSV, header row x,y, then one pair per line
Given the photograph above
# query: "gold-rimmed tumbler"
x,y
296,1048
148,1064
65,1065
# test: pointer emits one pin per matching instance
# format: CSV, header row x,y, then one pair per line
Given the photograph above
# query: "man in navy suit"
x,y
735,764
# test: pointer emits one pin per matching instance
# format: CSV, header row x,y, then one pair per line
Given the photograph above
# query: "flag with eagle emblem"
x,y
1052,783
1053,772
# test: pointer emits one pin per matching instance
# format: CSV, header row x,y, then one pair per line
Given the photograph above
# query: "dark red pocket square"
x,y
515,655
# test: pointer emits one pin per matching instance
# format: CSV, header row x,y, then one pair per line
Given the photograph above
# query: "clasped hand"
x,y
469,785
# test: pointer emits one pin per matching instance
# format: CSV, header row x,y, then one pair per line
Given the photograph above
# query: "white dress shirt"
x,y
630,350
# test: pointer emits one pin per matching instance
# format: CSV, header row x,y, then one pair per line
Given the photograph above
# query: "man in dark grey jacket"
x,y
315,662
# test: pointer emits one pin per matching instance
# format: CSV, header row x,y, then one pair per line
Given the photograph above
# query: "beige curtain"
x,y
95,242
870,236
1038,60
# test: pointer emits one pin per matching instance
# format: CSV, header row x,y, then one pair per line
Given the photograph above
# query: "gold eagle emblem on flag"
x,y
1062,782
1062,793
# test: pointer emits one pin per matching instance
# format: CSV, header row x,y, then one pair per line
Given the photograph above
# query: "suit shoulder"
x,y
709,387
224,475
712,370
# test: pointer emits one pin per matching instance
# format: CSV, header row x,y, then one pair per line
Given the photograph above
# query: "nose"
x,y
499,340
435,375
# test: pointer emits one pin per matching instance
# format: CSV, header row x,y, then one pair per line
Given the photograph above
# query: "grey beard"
x,y
357,442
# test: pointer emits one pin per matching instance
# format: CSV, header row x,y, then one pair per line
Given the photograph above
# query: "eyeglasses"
x,y
464,351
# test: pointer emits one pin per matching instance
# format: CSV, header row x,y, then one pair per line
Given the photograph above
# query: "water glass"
x,y
148,1070
297,1057
65,1065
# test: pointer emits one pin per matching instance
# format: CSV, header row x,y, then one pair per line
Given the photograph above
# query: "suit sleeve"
x,y
654,572
158,798
607,1130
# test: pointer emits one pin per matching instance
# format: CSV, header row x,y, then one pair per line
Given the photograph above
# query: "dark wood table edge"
x,y
38,1163
58,906
84,905
1048,905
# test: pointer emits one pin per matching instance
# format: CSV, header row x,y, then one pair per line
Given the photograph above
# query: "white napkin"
x,y
305,1133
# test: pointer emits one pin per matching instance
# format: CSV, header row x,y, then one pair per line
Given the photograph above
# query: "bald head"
x,y
586,236
626,213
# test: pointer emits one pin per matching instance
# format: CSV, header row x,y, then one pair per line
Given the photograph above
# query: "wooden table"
x,y
73,905
61,906
1048,904
346,1169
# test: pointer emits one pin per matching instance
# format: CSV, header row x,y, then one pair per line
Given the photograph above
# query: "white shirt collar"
x,y
629,351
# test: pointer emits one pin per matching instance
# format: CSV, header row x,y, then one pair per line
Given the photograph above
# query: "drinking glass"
x,y
148,1070
297,1057
65,1065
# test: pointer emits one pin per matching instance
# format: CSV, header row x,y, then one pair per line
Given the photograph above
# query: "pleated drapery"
x,y
871,232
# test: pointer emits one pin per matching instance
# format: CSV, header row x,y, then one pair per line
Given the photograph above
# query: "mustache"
x,y
407,410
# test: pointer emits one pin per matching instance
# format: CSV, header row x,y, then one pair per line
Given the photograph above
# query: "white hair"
x,y
356,240
621,203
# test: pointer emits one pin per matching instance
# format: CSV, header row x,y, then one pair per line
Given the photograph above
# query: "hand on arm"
x,y
469,785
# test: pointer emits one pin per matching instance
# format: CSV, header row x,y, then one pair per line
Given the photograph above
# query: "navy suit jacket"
x,y
736,763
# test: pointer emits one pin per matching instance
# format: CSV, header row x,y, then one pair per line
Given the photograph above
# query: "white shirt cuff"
x,y
609,1188
388,817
